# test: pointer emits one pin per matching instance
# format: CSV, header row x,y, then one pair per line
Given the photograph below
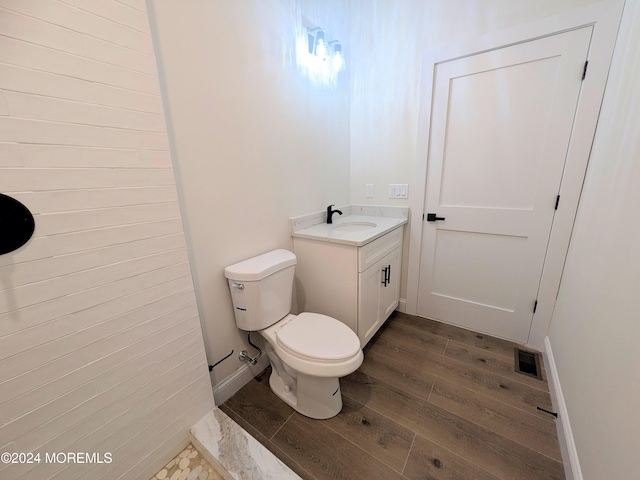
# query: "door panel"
x,y
369,302
480,171
494,258
500,128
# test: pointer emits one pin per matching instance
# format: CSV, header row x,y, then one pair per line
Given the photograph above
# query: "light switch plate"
x,y
369,190
398,190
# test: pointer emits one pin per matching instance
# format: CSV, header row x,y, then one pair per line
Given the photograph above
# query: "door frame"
x,y
605,18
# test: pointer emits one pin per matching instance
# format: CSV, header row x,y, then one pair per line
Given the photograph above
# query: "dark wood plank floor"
x,y
430,401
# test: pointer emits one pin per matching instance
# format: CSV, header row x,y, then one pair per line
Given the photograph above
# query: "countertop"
x,y
325,232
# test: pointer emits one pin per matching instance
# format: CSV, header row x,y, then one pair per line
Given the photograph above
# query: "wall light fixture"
x,y
321,59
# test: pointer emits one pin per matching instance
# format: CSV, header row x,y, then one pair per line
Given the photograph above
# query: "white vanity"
x,y
350,270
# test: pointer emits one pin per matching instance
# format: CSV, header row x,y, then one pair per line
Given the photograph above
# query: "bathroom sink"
x,y
354,226
355,230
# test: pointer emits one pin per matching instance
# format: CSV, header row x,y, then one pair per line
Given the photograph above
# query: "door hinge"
x,y
584,72
557,202
535,306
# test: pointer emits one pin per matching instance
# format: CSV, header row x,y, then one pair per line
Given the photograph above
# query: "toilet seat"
x,y
318,337
319,367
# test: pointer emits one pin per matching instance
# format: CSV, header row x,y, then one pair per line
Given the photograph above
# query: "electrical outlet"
x,y
369,190
398,190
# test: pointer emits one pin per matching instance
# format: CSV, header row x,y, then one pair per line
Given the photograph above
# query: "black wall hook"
x,y
16,224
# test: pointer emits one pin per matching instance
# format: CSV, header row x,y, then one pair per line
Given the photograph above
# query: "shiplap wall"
x,y
100,342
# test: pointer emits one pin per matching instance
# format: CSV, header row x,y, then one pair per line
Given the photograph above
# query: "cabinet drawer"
x,y
374,251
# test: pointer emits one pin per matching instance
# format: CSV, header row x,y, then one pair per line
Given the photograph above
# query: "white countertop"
x,y
325,232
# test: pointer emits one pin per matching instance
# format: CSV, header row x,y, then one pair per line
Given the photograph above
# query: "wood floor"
x,y
430,401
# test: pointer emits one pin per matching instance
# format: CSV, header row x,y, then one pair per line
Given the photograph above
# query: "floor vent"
x,y
528,363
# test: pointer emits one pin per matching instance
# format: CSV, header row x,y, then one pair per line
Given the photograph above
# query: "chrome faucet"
x,y
330,213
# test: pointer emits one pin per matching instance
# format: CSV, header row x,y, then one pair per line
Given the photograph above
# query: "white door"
x,y
501,124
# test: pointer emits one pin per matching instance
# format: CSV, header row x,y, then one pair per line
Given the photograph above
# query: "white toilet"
x,y
309,352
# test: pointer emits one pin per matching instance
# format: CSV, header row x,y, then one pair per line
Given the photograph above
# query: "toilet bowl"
x,y
309,352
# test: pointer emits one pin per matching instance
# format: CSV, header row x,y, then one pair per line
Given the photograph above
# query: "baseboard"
x,y
224,390
568,450
402,306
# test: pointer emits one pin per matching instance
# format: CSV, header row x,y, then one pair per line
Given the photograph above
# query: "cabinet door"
x,y
379,291
390,293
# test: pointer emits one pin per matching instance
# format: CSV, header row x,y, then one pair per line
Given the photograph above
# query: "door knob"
x,y
431,217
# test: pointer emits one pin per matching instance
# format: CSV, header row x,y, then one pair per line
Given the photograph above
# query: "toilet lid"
x,y
318,336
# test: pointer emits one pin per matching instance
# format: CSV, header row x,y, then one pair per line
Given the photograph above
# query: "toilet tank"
x,y
261,289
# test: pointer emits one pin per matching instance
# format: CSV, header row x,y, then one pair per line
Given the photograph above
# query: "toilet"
x,y
309,352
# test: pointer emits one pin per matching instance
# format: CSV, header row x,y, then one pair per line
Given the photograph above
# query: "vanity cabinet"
x,y
358,285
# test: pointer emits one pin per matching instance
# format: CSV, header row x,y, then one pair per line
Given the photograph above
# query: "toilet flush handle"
x,y
239,286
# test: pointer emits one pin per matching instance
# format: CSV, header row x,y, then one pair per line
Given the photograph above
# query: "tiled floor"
x,y
430,401
188,465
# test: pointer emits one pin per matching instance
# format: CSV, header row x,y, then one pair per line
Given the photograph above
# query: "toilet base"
x,y
314,397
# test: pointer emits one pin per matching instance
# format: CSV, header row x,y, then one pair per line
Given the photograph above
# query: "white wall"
x,y
255,142
595,328
100,344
